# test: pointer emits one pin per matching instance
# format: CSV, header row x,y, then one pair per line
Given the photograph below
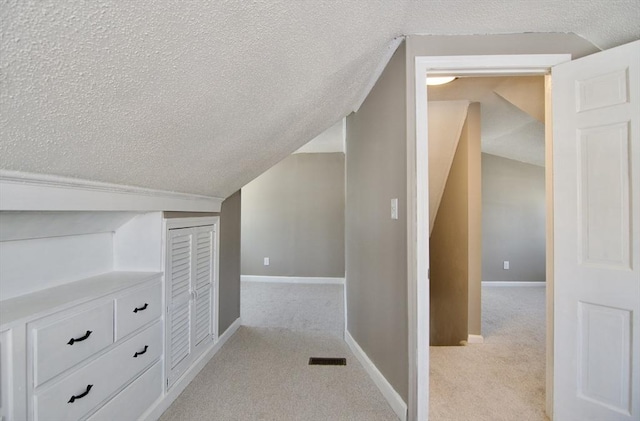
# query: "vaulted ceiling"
x,y
203,96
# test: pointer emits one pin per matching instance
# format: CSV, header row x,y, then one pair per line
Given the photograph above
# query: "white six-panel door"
x,y
596,132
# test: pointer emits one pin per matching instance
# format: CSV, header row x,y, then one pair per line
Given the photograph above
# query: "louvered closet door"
x,y
179,279
203,270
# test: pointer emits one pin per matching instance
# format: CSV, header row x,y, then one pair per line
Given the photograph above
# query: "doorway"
x,y
487,135
419,281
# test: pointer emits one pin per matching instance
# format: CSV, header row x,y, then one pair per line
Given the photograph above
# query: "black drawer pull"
x,y
80,339
144,307
82,395
141,352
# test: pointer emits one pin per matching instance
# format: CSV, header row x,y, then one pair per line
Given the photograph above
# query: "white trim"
x,y
391,49
178,387
524,64
393,398
475,339
417,187
27,191
541,284
292,279
196,221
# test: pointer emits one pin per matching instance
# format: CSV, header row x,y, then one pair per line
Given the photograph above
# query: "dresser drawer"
x,y
81,392
131,403
64,343
137,308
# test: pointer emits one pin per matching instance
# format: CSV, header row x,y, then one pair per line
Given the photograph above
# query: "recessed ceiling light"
x,y
440,80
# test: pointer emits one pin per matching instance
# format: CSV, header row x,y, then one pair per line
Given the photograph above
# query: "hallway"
x,y
262,373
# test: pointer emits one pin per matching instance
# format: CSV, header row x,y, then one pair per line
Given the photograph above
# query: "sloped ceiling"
x,y
506,129
203,96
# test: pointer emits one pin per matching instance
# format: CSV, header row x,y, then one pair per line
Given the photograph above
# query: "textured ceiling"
x,y
203,96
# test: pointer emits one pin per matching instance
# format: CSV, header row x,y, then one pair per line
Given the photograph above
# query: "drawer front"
x,y
66,342
133,401
81,392
137,308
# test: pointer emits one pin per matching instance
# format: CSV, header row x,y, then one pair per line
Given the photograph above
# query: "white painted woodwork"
x,y
446,120
191,291
15,225
6,373
60,344
106,374
21,309
137,308
40,192
137,245
28,266
133,401
596,104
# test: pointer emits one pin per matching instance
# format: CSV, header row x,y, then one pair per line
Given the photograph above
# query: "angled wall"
x,y
376,245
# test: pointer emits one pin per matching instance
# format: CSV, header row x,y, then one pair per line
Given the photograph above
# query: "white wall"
x,y
34,264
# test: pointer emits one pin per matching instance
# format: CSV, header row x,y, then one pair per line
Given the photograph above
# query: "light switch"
x,y
505,265
394,208
266,261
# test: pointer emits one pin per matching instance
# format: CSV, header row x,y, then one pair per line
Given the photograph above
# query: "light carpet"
x,y
502,379
263,374
302,307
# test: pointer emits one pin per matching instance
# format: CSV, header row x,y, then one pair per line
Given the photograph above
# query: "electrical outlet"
x,y
505,265
266,261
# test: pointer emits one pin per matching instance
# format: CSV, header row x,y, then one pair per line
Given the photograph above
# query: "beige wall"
x,y
229,271
376,245
474,160
513,220
294,214
455,256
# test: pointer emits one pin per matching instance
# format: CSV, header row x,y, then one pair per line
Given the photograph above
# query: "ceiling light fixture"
x,y
440,80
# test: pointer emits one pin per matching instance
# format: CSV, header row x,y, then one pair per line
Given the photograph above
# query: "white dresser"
x,y
91,349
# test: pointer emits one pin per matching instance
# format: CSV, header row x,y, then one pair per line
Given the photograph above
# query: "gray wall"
x,y
513,220
376,244
294,214
229,272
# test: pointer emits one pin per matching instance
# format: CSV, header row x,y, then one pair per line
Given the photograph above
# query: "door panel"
x,y
596,124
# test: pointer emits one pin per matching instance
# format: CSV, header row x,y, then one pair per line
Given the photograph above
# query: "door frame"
x,y
418,226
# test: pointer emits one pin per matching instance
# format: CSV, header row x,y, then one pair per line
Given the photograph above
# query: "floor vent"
x,y
327,361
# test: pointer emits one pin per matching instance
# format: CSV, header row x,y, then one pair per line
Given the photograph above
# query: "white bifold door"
x,y
596,152
190,294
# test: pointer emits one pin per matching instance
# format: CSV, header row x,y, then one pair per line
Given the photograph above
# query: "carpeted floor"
x,y
262,373
303,307
502,379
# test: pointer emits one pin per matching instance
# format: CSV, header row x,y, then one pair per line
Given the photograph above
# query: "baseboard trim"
x,y
393,398
156,411
292,279
513,284
475,339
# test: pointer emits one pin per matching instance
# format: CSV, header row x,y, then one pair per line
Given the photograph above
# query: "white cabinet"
x,y
87,343
191,282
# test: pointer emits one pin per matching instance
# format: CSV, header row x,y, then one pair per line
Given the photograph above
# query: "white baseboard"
x,y
292,279
393,398
475,339
513,284
153,413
